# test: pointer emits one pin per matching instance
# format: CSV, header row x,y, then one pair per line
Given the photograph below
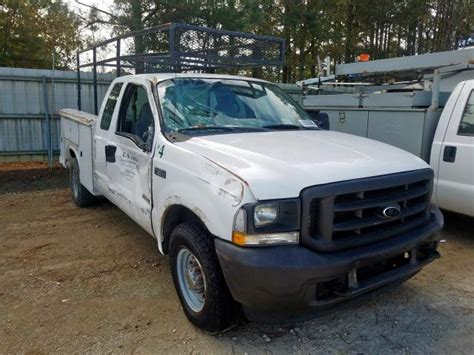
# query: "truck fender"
x,y
210,193
176,212
189,205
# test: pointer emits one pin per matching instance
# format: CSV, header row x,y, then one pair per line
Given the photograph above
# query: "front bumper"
x,y
285,283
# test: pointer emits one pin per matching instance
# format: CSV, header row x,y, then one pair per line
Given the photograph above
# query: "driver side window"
x,y
466,127
135,117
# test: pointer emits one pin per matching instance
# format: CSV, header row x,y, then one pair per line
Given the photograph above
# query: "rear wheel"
x,y
81,196
198,279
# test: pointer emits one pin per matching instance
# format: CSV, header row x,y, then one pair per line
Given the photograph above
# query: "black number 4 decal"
x,y
161,148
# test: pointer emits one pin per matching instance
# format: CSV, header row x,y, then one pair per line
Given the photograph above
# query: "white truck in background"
x,y
256,206
452,152
445,139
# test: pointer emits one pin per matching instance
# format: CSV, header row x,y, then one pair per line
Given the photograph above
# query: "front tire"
x,y
198,279
81,196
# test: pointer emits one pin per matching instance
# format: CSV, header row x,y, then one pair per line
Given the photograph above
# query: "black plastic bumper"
x,y
279,283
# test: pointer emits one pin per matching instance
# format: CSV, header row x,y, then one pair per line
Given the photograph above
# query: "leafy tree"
x,y
33,31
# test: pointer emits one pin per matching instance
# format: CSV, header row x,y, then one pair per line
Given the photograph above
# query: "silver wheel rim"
x,y
75,182
192,281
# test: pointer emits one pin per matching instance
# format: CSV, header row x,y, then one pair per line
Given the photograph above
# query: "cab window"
x,y
466,127
135,115
110,106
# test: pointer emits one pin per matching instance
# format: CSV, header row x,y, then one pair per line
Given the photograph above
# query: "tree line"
x,y
30,30
34,33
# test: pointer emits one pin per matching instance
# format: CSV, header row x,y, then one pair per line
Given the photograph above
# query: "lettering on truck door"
x,y
131,183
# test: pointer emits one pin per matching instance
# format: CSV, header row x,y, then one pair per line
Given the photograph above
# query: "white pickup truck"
x,y
452,152
257,208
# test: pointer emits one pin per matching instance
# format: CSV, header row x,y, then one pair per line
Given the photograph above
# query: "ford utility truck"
x,y
257,207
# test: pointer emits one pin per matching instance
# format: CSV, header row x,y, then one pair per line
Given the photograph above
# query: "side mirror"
x,y
320,118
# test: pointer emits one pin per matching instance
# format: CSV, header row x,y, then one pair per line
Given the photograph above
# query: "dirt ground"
x,y
90,280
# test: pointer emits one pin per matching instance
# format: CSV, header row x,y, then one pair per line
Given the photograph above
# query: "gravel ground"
x,y
90,280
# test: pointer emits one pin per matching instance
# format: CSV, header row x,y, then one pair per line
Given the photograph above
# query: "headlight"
x,y
267,223
265,214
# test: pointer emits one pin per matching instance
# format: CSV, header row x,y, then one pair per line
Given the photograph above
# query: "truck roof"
x,y
157,77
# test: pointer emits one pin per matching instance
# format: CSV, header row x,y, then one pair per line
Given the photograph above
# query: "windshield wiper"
x,y
205,128
283,126
218,128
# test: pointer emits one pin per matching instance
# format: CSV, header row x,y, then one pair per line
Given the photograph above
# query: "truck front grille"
x,y
350,213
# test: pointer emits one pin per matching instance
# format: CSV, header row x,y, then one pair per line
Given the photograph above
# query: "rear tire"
x,y
198,279
81,196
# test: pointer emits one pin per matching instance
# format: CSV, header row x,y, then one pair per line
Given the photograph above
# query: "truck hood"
x,y
280,164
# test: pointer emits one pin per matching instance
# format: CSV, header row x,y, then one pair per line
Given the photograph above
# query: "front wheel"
x,y
198,279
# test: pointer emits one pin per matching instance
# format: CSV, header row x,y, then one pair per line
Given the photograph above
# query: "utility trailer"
x,y
407,120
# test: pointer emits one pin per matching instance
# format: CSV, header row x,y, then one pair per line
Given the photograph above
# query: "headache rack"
x,y
349,213
177,47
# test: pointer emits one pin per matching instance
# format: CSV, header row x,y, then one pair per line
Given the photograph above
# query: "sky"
x,y
104,30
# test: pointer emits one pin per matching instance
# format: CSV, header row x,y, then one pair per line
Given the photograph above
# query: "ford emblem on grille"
x,y
391,212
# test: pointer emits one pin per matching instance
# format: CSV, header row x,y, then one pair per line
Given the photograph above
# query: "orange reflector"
x,y
238,238
363,57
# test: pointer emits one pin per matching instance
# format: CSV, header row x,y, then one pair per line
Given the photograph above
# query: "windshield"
x,y
214,106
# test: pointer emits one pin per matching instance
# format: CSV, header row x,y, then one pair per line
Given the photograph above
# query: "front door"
x,y
130,182
455,181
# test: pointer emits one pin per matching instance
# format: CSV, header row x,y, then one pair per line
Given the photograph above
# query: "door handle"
x,y
449,154
110,153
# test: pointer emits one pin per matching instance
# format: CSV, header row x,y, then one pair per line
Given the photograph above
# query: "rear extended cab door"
x,y
453,152
104,137
126,149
